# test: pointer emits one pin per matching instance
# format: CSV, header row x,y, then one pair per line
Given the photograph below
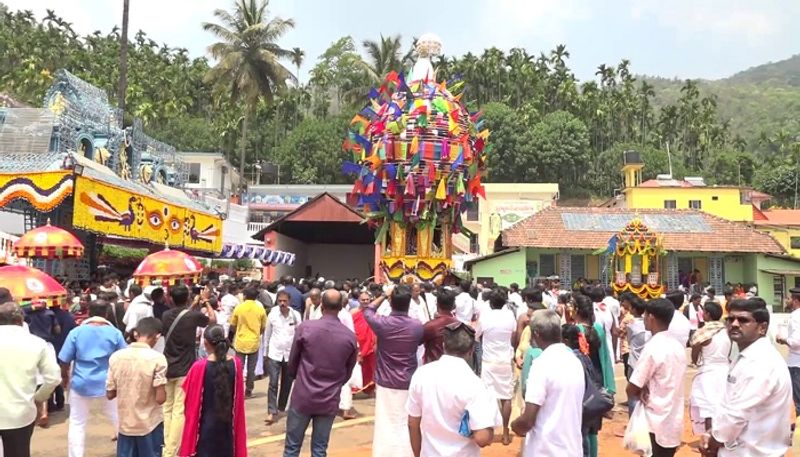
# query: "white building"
x,y
210,172
214,180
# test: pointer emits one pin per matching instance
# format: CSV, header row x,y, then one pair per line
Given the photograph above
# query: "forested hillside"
x,y
759,101
546,124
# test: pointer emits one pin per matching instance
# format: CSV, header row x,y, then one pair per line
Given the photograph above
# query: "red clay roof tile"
x,y
547,229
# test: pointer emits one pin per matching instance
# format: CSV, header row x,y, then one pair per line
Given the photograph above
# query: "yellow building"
x,y
505,205
783,225
664,192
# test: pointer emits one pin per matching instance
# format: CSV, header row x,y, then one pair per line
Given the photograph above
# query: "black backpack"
x,y
596,400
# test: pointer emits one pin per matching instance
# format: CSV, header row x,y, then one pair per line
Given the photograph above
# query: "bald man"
x,y
313,304
24,357
323,355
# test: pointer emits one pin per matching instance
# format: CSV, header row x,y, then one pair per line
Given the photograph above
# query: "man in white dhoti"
x,y
710,349
398,336
498,327
346,396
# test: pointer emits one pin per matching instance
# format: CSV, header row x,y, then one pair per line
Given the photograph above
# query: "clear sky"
x,y
672,38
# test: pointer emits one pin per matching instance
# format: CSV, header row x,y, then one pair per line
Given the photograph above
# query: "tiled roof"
x,y
779,217
591,228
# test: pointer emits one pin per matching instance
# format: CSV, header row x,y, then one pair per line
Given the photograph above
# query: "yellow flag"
x,y
441,191
414,145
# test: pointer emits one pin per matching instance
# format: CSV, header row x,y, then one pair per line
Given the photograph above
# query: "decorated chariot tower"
x,y
418,155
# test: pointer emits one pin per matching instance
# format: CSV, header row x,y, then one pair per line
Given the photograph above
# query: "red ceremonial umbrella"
x,y
31,287
48,242
168,266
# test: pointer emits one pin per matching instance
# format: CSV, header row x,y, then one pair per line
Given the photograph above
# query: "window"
x,y
794,242
194,173
547,264
714,197
695,204
474,244
578,267
778,286
473,210
670,204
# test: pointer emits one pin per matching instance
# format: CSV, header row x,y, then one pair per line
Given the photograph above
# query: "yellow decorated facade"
x,y
45,191
105,209
425,252
636,250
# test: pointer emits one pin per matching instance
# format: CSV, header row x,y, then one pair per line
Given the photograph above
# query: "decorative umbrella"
x,y
168,267
31,287
48,242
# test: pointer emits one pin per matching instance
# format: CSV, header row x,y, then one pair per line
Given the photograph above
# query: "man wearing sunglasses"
x,y
753,420
450,411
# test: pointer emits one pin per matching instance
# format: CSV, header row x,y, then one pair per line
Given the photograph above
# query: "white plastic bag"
x,y
357,378
637,434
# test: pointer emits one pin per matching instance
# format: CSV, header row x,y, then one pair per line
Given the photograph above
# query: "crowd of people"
x,y
172,367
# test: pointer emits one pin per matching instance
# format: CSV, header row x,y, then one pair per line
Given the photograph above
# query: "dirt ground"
x,y
351,438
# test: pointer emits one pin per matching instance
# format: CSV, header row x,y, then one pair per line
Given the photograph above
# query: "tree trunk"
x,y
243,148
123,58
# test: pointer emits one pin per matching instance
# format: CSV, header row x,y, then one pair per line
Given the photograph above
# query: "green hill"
x,y
782,73
765,98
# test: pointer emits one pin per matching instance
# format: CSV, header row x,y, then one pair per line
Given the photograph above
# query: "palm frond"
x,y
220,31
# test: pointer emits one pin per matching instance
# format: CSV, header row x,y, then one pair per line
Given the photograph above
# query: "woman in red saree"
x,y
366,345
214,405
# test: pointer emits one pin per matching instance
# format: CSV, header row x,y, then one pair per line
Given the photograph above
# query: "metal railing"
x,y
254,227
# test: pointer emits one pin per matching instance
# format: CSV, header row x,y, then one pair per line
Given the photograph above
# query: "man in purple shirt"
x,y
323,355
398,335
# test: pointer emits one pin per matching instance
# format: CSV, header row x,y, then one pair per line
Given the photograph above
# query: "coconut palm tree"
x,y
383,57
298,55
123,58
248,56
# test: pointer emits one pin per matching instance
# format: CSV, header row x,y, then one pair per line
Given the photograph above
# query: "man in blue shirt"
x,y
89,347
296,300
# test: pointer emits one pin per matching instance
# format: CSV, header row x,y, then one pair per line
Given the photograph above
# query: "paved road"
x,y
349,438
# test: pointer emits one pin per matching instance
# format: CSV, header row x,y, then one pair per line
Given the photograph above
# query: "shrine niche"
x,y
636,251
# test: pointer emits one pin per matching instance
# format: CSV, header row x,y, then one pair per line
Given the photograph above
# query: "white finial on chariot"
x,y
428,45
